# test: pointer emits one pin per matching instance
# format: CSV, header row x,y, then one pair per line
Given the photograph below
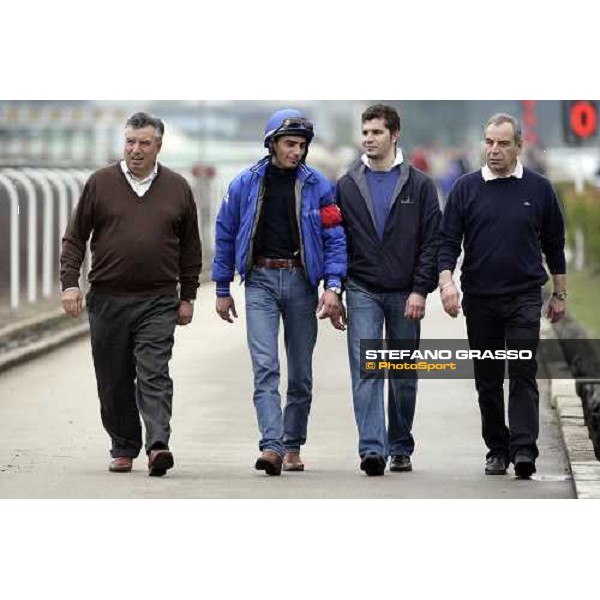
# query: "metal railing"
x,y
56,190
46,197
14,239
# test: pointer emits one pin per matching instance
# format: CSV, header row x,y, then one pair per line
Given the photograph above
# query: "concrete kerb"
x,y
32,350
45,319
585,468
35,349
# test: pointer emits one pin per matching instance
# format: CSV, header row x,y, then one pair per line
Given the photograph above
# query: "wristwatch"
x,y
562,296
335,290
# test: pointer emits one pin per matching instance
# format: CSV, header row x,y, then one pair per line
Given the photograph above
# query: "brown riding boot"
x,y
270,462
292,462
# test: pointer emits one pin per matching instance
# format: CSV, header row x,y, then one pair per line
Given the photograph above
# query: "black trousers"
x,y
509,322
132,342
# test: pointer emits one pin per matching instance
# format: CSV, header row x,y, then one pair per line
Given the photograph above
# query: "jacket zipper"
x,y
298,192
259,202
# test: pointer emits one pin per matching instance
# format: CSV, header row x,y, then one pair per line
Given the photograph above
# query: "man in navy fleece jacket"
x,y
507,216
391,216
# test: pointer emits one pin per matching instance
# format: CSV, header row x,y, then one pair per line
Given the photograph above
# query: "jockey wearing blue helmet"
x,y
288,121
280,229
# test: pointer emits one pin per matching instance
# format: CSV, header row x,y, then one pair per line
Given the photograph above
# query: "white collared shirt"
x,y
398,160
488,175
139,186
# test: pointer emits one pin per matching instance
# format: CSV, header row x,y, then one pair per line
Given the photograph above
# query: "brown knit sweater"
x,y
139,245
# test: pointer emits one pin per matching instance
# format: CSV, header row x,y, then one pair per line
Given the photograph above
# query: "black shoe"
x,y
401,462
373,464
159,462
524,465
495,465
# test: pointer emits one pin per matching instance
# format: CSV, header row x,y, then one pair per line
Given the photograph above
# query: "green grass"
x,y
583,303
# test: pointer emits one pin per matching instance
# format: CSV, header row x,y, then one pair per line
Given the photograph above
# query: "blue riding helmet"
x,y
288,121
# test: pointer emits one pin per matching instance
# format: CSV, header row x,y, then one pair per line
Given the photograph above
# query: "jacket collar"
x,y
305,174
397,161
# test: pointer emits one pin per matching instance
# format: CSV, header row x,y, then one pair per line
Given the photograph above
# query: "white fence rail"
x,y
56,191
46,197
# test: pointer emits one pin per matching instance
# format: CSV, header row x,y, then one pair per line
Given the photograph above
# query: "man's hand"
x,y
224,307
72,302
338,320
185,313
329,305
451,299
415,306
556,310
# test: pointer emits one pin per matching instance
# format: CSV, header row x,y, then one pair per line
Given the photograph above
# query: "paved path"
x,y
52,444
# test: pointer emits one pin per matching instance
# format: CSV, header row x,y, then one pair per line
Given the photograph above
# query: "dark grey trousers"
x,y
132,342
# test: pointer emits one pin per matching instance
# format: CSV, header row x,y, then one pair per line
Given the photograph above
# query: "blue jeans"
x,y
367,314
272,294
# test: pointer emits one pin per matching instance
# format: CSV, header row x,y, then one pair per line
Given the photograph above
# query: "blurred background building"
x,y
227,134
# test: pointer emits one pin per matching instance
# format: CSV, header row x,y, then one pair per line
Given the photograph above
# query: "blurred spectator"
x,y
418,159
457,165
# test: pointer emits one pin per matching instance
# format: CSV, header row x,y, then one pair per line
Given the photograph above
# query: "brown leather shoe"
x,y
270,462
121,464
292,462
159,461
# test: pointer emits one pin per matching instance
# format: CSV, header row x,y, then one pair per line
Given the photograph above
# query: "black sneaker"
x,y
400,463
495,465
524,465
373,464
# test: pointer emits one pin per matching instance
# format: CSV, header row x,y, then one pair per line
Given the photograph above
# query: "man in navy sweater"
x,y
507,216
391,216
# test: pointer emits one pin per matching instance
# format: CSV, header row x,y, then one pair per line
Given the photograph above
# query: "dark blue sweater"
x,y
381,186
506,223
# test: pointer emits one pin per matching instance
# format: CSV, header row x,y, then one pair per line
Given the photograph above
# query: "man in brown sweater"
x,y
145,241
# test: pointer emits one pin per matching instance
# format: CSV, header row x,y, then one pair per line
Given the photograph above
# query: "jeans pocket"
x,y
350,285
255,275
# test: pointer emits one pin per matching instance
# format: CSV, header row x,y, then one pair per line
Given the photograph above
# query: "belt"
x,y
277,263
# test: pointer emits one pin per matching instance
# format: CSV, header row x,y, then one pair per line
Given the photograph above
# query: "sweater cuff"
x,y
189,296
423,292
446,265
70,282
223,289
188,292
557,264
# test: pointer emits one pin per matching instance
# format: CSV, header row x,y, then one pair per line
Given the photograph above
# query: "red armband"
x,y
331,215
